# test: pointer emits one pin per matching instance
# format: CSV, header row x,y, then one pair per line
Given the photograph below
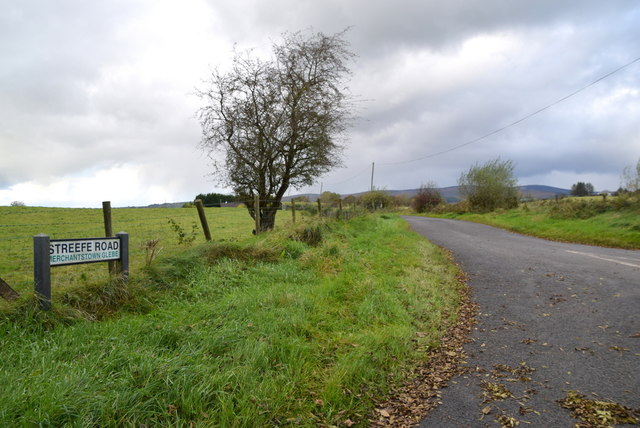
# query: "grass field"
x,y
305,326
614,222
18,225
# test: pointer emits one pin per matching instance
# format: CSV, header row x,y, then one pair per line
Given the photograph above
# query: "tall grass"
x,y
270,332
613,222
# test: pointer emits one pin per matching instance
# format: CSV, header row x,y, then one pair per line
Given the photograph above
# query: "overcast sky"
x,y
97,98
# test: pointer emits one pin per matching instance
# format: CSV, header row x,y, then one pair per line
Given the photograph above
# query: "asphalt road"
x,y
553,317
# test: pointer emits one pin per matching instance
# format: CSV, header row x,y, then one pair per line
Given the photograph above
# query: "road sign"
x,y
89,250
59,252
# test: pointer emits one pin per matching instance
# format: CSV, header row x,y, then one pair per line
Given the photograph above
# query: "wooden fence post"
x,y
6,292
293,210
108,231
319,208
340,209
256,211
203,219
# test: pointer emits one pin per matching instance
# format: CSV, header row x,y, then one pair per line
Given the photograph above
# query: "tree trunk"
x,y
268,211
268,219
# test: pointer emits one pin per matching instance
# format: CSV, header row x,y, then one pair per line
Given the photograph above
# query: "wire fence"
x,y
172,229
18,225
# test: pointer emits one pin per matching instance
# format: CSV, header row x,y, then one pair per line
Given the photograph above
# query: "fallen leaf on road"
x,y
507,421
618,348
384,413
494,391
599,413
524,410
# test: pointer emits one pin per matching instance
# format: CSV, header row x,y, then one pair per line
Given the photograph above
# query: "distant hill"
x,y
542,192
452,193
312,197
166,205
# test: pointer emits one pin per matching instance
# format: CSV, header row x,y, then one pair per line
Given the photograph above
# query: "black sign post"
x,y
122,265
42,270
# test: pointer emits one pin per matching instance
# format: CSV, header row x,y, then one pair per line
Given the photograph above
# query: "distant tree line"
x,y
376,199
582,189
486,187
215,199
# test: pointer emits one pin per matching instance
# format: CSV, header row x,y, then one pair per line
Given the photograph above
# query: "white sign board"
x,y
90,250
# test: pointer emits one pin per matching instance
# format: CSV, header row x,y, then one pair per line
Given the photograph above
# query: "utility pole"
x,y
373,165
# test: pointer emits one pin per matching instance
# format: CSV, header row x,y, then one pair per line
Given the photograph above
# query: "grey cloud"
x,y
57,109
60,109
382,26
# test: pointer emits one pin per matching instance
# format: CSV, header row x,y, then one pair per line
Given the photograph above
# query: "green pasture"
x,y
18,225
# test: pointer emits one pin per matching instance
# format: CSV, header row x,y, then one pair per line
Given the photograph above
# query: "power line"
x,y
522,119
351,178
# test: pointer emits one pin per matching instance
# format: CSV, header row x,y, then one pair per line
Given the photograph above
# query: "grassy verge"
x,y
271,332
593,221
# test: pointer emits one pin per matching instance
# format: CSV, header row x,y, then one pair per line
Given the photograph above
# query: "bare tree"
x,y
278,123
631,177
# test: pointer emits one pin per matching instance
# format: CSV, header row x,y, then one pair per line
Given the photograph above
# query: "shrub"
x,y
625,200
631,178
571,208
402,200
376,199
490,186
458,208
183,236
310,235
242,253
311,209
427,198
587,208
